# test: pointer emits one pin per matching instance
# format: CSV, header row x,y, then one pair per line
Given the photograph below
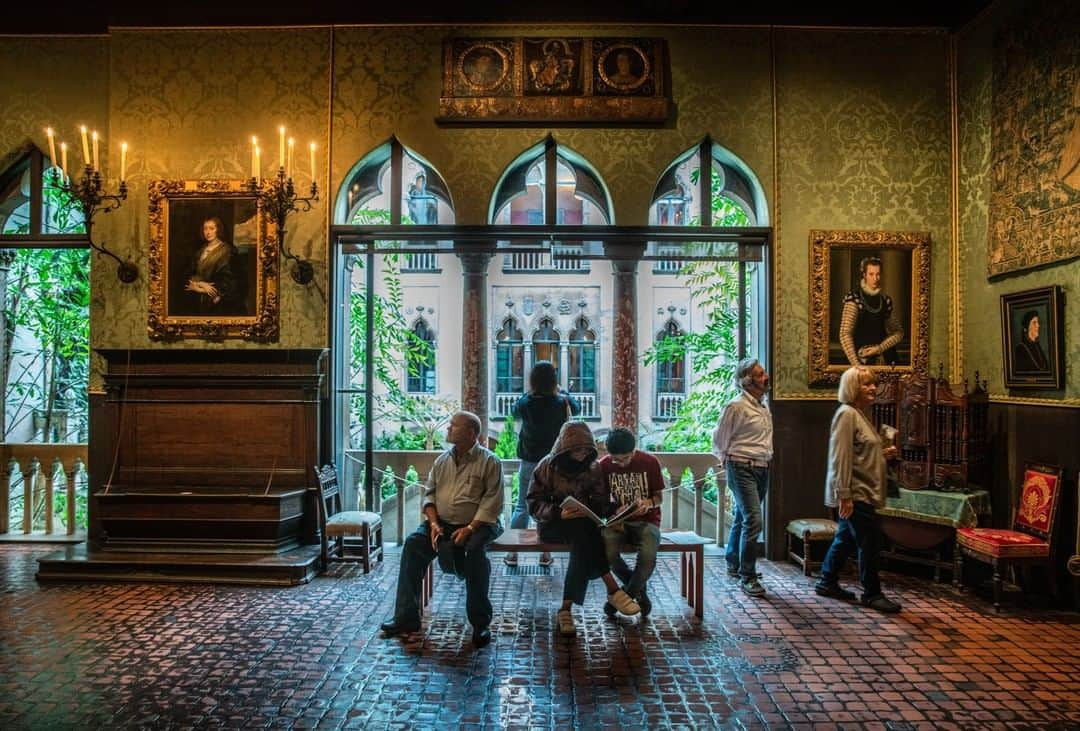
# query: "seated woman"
x,y
569,470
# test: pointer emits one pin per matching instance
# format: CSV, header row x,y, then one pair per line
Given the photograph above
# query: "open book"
x,y
624,512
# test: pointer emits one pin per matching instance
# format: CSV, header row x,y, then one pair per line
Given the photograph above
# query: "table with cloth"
x,y
920,525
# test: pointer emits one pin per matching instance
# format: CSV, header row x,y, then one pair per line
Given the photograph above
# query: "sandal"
x,y
565,619
510,559
546,559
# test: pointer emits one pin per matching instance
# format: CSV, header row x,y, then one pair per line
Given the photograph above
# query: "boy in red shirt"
x,y
632,477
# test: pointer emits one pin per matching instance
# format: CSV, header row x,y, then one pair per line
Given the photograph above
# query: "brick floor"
x,y
185,656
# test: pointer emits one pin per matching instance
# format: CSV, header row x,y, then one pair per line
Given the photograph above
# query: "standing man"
x,y
462,502
743,440
632,477
869,329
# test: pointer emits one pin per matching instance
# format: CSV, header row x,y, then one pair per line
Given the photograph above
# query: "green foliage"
x,y
506,447
388,484
402,439
47,306
713,350
515,486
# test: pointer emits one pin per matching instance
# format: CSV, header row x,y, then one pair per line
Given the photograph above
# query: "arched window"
x,y
735,197
419,197
523,196
421,359
509,359
32,207
546,342
670,376
582,358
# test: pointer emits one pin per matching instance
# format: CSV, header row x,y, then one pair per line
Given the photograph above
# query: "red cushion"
x,y
1036,510
1002,543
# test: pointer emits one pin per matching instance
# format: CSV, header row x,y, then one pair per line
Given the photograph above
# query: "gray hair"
x,y
473,419
850,383
743,370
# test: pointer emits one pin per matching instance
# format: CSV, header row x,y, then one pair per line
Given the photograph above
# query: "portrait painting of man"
x,y
1031,338
870,307
623,67
483,68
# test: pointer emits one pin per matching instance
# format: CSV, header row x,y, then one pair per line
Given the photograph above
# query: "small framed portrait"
x,y
483,68
1031,338
213,266
869,302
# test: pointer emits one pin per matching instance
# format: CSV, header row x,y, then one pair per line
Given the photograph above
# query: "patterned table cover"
x,y
941,508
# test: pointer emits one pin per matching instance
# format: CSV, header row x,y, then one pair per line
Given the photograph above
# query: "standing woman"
x,y
542,411
855,485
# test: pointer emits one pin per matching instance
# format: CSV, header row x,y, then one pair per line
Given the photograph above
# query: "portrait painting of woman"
x,y
212,284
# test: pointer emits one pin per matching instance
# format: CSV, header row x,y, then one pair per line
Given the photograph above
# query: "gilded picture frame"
x,y
213,262
869,302
1032,336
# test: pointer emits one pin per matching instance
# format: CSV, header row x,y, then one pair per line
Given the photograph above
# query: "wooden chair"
x,y
809,531
1029,541
335,524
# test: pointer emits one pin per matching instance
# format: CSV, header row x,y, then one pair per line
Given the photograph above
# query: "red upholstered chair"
x,y
1031,537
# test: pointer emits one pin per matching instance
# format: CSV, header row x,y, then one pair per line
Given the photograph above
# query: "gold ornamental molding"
x,y
554,80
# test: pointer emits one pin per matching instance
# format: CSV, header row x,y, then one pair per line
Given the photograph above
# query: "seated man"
x,y
632,477
462,503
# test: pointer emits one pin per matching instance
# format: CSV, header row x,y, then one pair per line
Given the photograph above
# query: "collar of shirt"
x,y
758,402
466,456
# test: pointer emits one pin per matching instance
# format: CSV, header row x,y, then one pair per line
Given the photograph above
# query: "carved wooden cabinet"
x,y
942,429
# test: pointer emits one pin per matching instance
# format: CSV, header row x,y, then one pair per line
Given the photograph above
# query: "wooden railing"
x,y
684,508
36,473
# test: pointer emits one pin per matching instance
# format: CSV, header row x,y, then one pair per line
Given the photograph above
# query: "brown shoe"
x,y
546,559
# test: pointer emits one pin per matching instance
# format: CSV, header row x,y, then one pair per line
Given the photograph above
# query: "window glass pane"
x,y
61,213
15,200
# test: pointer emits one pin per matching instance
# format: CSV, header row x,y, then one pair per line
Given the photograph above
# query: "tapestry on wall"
x,y
1035,140
581,80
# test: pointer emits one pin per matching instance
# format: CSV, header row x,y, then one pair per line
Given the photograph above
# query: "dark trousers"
x,y
858,532
417,553
587,557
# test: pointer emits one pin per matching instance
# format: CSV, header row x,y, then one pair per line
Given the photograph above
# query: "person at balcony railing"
x,y
571,469
856,485
632,477
743,441
542,412
462,503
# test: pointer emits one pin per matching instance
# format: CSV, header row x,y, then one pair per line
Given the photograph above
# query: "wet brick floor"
x,y
108,656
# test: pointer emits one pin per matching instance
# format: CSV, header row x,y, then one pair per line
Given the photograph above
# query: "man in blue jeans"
x,y
743,441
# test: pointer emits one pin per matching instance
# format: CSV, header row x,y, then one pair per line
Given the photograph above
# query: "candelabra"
x,y
89,191
278,198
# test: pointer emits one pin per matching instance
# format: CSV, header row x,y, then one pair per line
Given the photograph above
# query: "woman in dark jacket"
x,y
542,411
571,470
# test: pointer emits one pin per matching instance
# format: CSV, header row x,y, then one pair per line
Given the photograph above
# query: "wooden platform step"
x,y
84,563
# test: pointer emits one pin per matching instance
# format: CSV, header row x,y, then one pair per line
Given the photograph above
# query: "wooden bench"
x,y
525,540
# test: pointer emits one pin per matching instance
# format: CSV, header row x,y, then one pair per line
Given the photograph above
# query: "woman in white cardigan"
x,y
855,485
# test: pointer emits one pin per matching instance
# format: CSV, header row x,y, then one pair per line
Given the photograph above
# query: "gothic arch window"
x,y
670,374
32,208
394,185
421,359
582,358
509,358
545,342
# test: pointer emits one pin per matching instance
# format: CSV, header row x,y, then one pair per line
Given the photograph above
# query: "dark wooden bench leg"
x,y
699,582
365,547
683,583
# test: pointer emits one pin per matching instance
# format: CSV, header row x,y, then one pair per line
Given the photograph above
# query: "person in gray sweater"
x,y
855,485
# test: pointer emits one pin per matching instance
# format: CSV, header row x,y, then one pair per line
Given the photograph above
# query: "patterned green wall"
x,y
861,145
981,316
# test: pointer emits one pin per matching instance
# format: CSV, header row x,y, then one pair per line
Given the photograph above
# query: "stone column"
x,y
624,356
474,330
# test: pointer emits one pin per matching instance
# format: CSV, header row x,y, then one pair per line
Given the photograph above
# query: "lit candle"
x,y
52,146
291,142
312,148
123,161
63,160
97,165
254,162
85,146
281,146
258,165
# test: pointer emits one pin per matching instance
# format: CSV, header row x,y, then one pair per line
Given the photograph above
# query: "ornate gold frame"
x,y
167,320
822,245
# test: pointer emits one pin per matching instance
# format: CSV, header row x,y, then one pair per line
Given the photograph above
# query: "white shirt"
x,y
467,488
744,431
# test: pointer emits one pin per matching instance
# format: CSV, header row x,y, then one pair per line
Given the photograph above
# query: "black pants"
x,y
588,560
858,532
417,553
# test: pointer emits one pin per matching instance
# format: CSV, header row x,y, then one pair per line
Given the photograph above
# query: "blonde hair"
x,y
851,381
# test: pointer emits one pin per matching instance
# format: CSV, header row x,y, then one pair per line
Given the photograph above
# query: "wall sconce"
x,y
89,191
278,198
